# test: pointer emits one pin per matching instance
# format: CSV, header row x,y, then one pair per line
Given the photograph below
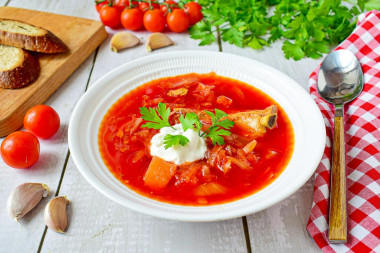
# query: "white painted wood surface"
x,y
97,224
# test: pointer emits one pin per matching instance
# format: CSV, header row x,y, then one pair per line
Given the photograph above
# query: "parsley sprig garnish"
x,y
159,118
216,131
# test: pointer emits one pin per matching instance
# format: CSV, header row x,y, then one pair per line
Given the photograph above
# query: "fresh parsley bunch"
x,y
159,118
308,28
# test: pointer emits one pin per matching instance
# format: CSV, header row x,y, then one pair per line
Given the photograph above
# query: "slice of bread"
x,y
18,67
30,37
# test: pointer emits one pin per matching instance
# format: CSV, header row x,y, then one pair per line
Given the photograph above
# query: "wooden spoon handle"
x,y
338,212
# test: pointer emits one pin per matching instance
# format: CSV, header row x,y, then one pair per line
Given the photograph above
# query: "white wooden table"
x,y
97,224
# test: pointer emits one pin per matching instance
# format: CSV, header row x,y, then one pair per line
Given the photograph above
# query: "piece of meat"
x,y
255,123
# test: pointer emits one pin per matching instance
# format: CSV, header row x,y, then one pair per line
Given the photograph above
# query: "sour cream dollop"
x,y
194,150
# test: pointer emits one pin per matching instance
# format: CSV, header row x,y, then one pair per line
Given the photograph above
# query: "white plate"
x,y
309,130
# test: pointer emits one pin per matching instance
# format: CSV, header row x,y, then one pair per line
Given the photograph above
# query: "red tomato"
x,y
193,9
42,120
20,149
100,5
143,6
177,21
154,20
110,16
172,5
132,19
125,3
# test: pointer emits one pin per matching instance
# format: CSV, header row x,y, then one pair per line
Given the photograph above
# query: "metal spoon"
x,y
340,80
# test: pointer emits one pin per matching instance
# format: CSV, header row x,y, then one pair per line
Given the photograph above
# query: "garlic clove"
x,y
56,215
158,40
24,198
122,40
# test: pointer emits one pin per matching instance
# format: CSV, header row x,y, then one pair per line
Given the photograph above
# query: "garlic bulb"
x,y
56,215
24,198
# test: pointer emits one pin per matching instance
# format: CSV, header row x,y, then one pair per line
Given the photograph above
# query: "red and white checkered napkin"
x,y
362,138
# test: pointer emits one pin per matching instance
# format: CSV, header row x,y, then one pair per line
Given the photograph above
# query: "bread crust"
x,y
47,43
21,75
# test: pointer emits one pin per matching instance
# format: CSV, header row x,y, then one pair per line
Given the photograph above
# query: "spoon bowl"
x,y
340,80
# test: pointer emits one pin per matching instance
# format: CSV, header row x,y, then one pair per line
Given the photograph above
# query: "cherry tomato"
x,y
20,149
42,120
178,21
132,19
144,6
100,5
154,20
172,5
110,16
193,9
125,4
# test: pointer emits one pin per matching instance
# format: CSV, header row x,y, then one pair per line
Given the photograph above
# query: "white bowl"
x,y
308,126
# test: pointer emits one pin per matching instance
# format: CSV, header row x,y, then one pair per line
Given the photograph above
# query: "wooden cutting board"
x,y
82,36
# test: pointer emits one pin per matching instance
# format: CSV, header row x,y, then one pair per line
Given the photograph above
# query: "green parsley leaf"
x,y
197,122
372,4
202,31
174,140
156,121
216,133
216,119
292,51
233,36
189,120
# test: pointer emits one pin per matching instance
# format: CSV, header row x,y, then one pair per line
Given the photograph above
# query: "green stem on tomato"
x,y
99,1
111,3
170,7
150,3
181,4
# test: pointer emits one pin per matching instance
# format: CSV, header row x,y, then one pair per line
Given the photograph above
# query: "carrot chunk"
x,y
159,173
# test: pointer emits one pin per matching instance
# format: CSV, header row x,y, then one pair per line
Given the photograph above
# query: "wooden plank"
x,y
98,224
84,36
282,228
53,152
